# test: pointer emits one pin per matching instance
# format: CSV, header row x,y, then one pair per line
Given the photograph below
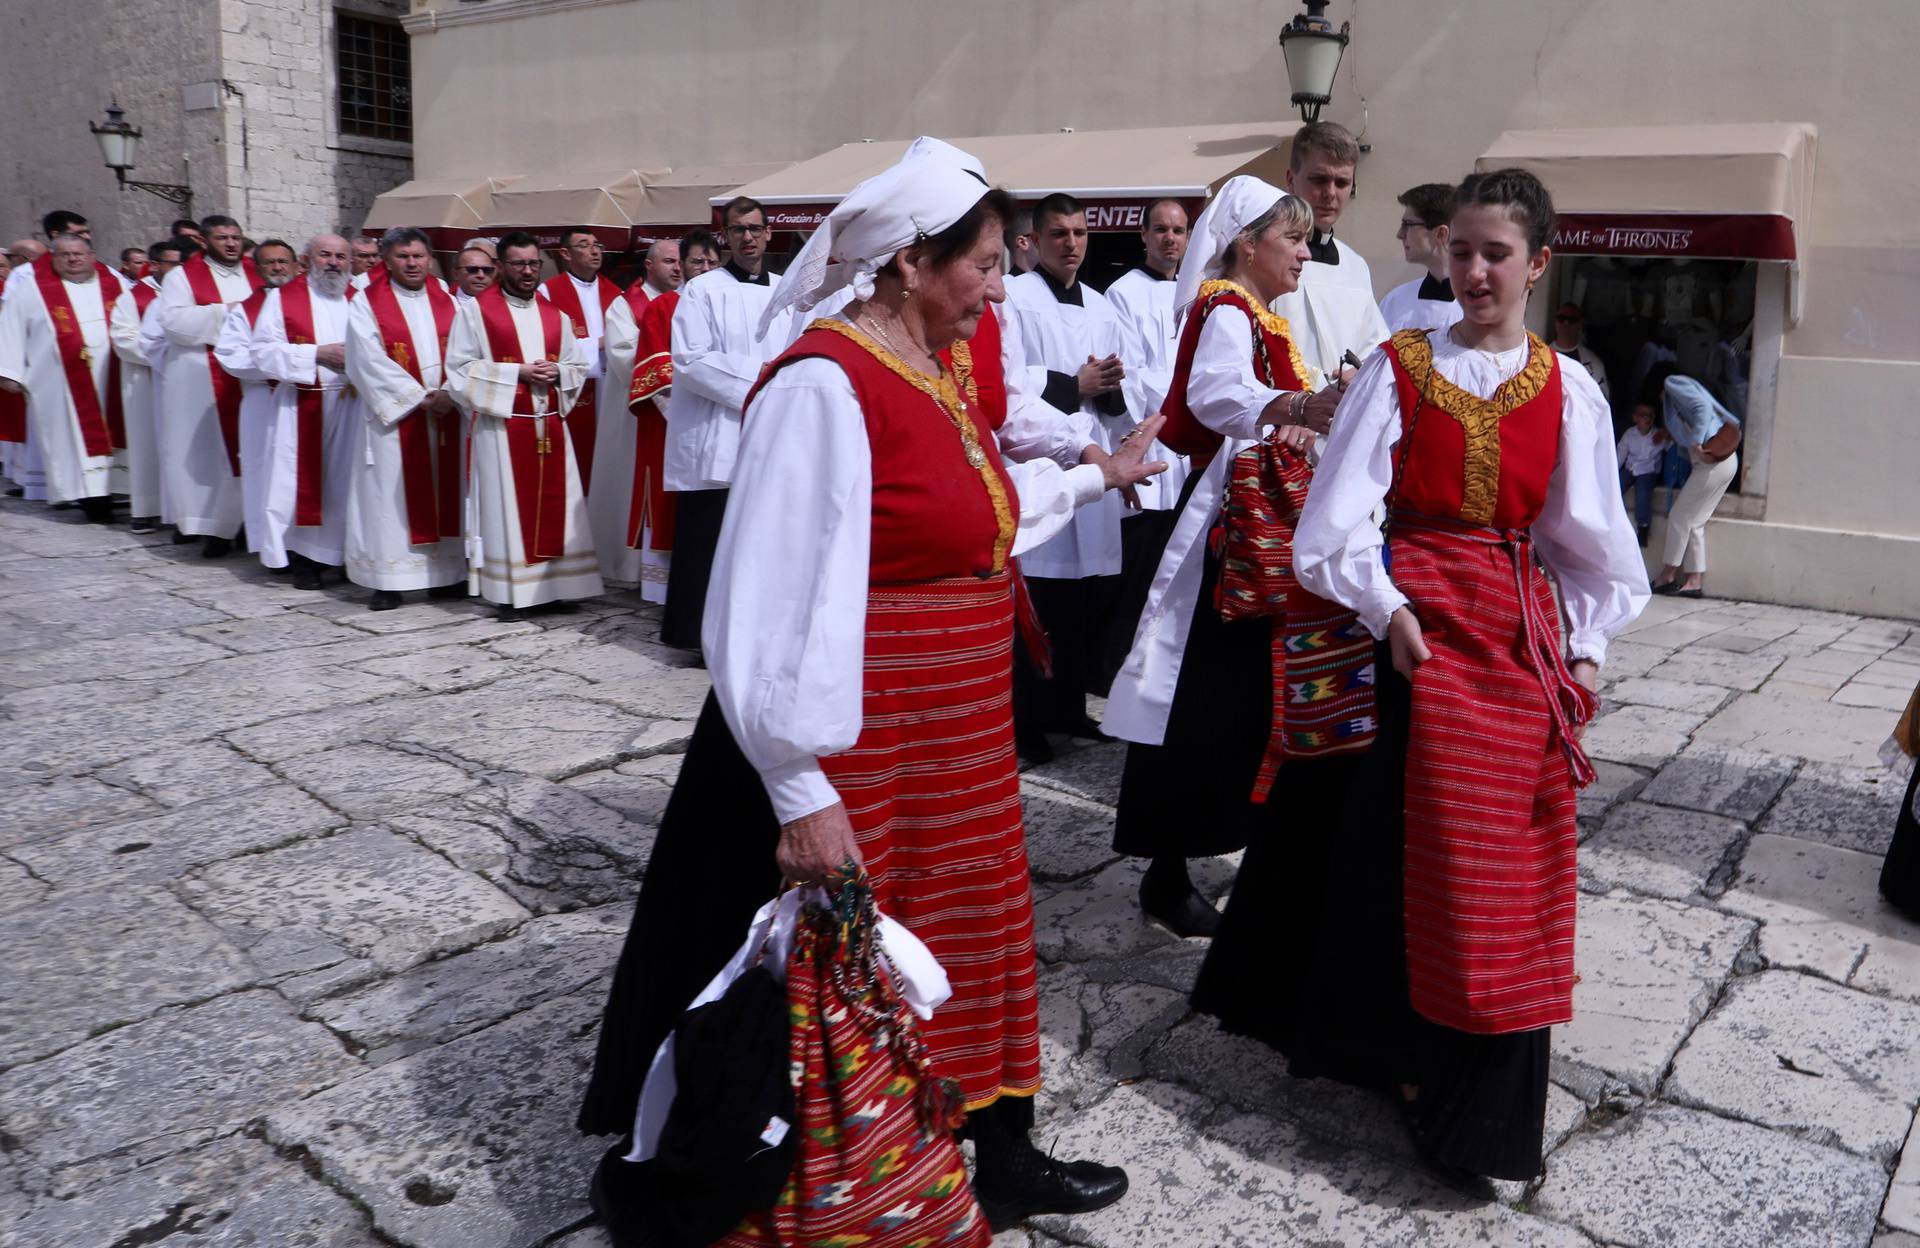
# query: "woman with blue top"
x,y
1710,436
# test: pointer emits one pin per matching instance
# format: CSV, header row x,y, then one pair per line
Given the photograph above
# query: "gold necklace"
x,y
886,339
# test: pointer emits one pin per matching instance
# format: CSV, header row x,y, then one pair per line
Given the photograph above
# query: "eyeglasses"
x,y
1410,225
751,231
522,264
477,270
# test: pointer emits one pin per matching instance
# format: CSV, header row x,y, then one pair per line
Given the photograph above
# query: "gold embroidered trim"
x,y
1270,320
1478,418
650,378
962,353
946,396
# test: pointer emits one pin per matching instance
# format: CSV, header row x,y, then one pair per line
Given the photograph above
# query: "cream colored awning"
x,y
1116,172
609,202
685,196
1740,191
437,203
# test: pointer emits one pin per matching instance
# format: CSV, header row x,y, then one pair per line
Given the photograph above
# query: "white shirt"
x,y
717,356
595,320
794,548
1639,452
1591,362
187,324
1582,535
1403,308
1351,271
1330,316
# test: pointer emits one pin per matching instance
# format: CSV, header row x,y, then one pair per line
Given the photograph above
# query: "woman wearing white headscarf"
x,y
860,632
1194,695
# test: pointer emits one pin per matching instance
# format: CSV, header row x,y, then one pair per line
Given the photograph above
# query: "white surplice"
x,y
1583,534
1058,337
136,405
199,483
614,440
1330,315
30,355
234,352
794,549
154,345
718,353
1226,397
496,556
1403,308
1150,332
379,550
20,461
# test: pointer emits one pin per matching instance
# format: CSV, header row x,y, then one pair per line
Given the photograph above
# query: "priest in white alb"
x,y
54,347
611,502
405,507
136,386
299,341
515,367
276,264
198,403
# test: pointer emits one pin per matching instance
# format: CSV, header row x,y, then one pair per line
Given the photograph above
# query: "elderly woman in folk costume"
x,y
1202,694
1492,462
860,632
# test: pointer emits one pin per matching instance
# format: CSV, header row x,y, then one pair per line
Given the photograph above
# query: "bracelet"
x,y
1297,408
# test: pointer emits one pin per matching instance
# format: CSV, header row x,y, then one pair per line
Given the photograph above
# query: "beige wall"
x,y
499,88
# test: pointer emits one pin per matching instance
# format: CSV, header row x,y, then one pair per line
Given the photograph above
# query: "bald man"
x,y
299,342
661,272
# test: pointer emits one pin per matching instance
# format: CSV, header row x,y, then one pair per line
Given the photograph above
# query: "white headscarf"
x,y
1237,205
933,186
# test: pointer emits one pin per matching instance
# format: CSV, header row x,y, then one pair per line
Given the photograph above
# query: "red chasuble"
x,y
226,387
1491,759
931,785
433,494
102,428
650,518
583,420
538,459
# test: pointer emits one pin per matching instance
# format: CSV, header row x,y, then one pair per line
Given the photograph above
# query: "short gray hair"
x,y
70,239
482,243
401,236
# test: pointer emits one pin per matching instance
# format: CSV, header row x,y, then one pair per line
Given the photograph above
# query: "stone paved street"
x,y
308,913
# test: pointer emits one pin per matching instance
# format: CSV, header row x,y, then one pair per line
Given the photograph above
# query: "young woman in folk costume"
x,y
1493,462
1196,695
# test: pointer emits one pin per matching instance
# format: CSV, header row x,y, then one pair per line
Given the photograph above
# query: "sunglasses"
x,y
477,270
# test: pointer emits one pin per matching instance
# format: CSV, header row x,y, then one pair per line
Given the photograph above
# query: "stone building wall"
x,y
234,97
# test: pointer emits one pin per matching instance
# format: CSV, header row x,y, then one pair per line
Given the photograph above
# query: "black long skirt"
x,y
1900,876
697,516
1074,613
1310,959
1143,539
712,868
1192,796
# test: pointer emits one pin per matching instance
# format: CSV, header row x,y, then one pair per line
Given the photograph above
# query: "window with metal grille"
x,y
374,78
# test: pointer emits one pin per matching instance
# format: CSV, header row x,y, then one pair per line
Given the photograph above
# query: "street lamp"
x,y
1313,49
119,144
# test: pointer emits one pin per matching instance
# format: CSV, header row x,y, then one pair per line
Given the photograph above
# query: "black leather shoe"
x,y
306,573
383,599
181,539
1087,730
143,524
98,510
456,590
216,548
1057,1187
1185,913
1032,747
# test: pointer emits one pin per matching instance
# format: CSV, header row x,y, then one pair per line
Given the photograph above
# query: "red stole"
x,y
433,497
226,387
582,421
978,367
98,426
652,507
1276,363
539,461
296,313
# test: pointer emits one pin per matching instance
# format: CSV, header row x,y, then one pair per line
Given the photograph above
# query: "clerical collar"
x,y
1065,294
516,300
1437,289
762,278
1321,247
1156,274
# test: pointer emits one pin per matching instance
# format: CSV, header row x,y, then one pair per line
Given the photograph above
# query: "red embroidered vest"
x,y
1276,362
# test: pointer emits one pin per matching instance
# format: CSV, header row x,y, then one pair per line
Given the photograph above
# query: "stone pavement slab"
x,y
1640,736
1649,970
235,1192
174,1082
1821,911
371,894
1902,1210
1824,732
1665,1176
1067,836
86,962
190,773
1720,780
442,1000
1658,851
468,1145
367,781
1849,807
65,804
1805,1055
